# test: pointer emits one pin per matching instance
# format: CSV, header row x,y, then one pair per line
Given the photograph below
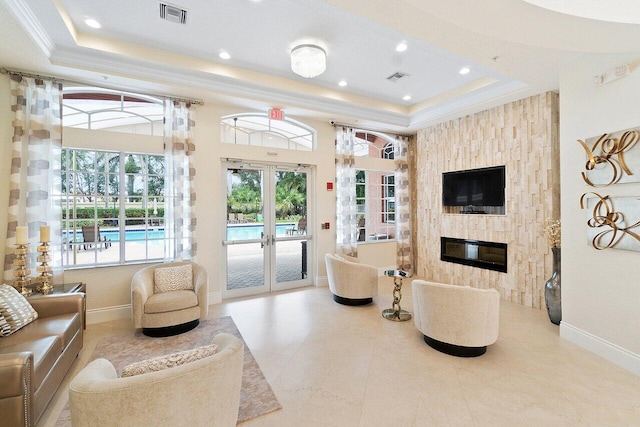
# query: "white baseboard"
x,y
215,297
612,352
106,314
322,281
99,315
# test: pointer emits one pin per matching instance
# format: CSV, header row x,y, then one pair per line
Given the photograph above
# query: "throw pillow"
x,y
168,361
166,279
15,310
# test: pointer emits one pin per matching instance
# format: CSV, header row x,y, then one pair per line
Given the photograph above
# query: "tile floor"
x,y
332,365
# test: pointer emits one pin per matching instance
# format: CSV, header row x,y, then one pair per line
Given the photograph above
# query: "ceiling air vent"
x,y
397,76
172,13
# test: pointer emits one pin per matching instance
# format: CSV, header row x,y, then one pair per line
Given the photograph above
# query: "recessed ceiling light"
x,y
342,83
402,46
224,54
406,98
92,23
464,70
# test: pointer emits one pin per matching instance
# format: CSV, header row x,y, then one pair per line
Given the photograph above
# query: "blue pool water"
x,y
252,231
234,232
114,235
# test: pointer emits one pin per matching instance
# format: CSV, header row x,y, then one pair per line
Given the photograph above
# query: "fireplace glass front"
x,y
475,253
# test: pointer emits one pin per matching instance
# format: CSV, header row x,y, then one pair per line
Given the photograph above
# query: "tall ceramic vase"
x,y
552,290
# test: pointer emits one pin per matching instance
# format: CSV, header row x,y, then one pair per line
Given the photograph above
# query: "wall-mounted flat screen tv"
x,y
474,187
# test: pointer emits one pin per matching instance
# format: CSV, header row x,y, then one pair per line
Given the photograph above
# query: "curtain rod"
x,y
334,124
58,79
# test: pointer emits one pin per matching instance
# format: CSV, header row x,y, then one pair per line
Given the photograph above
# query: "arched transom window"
x,y
259,130
104,109
369,144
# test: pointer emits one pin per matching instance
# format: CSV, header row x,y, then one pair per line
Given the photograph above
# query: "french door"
x,y
267,244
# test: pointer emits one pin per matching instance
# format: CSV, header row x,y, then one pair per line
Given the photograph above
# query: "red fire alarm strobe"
x,y
329,186
276,114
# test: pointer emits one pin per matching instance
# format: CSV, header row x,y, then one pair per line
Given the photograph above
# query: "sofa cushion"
x,y
15,310
64,326
45,354
170,301
167,279
168,361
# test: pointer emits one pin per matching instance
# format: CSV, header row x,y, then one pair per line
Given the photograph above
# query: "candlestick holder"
x,y
22,271
44,269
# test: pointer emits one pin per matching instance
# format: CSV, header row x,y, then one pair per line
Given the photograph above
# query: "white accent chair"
x,y
350,282
205,392
457,320
168,313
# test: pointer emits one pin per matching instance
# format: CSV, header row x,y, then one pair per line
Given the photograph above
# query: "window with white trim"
x,y
113,207
375,186
375,199
113,201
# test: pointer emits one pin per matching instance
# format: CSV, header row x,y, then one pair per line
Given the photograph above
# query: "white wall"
x,y
108,288
600,289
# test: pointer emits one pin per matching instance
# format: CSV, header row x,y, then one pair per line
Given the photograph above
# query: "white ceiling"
x,y
514,49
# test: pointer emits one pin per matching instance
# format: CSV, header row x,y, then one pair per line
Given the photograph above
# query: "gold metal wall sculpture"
x,y
607,163
607,228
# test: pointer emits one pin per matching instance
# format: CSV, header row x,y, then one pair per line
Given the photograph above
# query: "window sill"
x,y
370,242
87,267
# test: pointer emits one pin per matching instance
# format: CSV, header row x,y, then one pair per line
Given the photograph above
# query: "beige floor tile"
x,y
333,365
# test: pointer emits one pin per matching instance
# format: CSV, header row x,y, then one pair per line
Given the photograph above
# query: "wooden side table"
x,y
69,288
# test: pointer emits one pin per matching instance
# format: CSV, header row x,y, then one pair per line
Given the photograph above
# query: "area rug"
x,y
256,396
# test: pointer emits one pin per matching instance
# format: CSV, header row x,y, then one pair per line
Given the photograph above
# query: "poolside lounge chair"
x,y
89,237
301,228
232,219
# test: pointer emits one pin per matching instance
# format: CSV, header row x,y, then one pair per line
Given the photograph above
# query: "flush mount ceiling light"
x,y
308,60
464,70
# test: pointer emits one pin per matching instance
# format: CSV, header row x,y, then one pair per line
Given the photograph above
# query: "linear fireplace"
x,y
476,253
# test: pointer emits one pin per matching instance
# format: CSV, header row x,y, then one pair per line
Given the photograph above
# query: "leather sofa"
x,y
35,359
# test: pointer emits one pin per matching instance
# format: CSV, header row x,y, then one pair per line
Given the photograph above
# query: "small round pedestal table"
x,y
396,313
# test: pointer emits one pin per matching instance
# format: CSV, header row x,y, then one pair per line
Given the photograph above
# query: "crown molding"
x,y
32,26
483,100
86,59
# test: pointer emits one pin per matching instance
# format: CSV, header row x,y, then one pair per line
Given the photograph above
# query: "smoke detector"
x,y
172,13
397,76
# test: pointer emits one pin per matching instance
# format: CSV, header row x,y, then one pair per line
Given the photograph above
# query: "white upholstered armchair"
x,y
457,320
204,392
350,282
173,311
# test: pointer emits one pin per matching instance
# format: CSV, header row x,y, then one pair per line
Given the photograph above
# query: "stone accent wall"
x,y
522,135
